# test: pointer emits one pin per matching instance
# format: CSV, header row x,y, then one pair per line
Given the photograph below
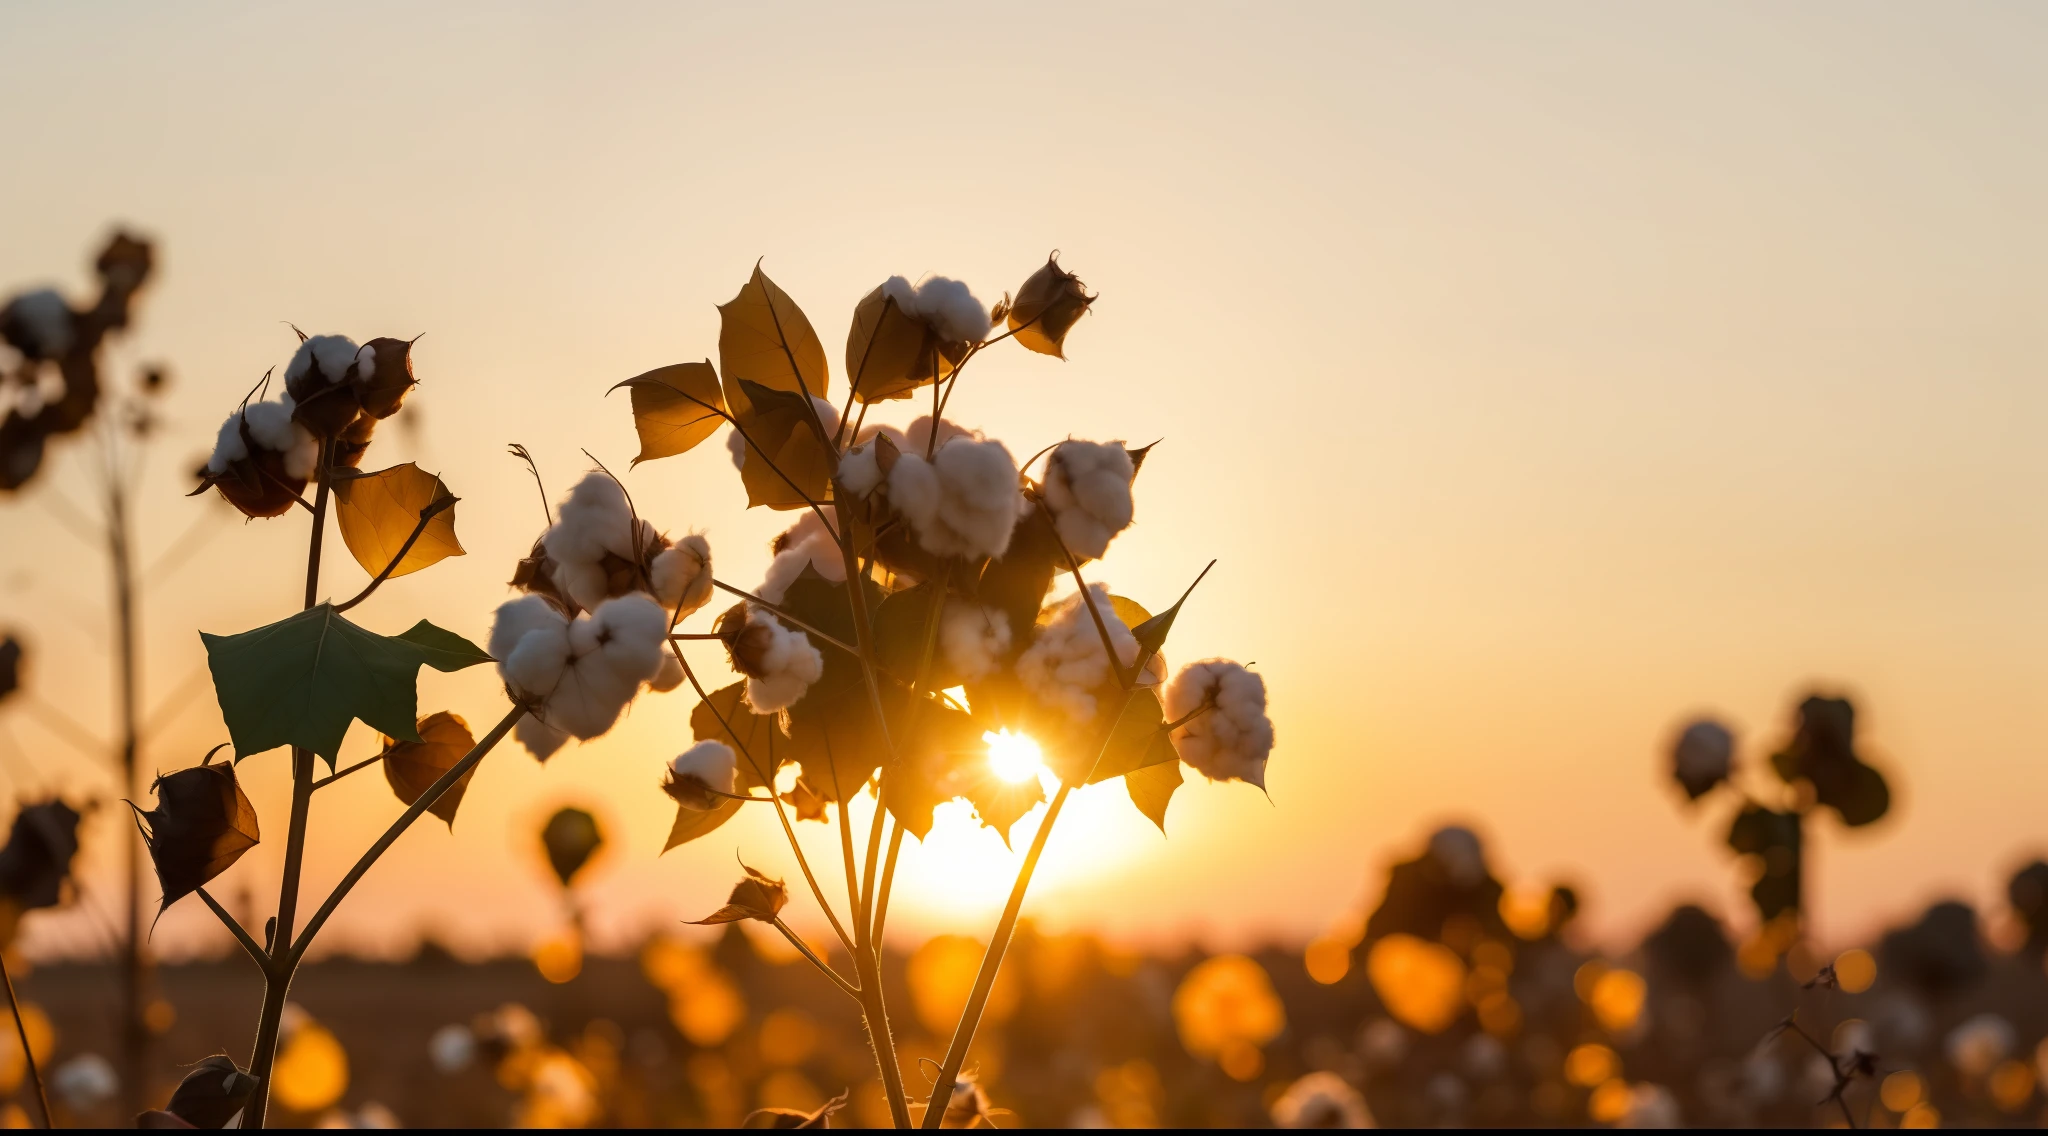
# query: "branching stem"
x,y
35,1076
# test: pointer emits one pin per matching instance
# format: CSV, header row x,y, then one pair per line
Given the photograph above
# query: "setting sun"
x,y
1013,757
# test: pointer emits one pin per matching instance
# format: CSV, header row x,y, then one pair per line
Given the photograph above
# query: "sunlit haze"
x,y
1538,380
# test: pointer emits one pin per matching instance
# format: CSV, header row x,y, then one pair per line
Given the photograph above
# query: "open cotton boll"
x,y
272,426
706,765
807,544
944,304
612,650
973,638
668,677
1066,666
1088,489
780,663
530,640
860,469
328,356
1230,741
593,523
228,446
681,575
540,739
964,502
736,446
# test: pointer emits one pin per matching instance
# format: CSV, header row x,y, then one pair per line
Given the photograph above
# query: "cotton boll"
x,y
1457,850
534,667
595,523
1703,757
325,357
1979,1043
1088,489
1066,666
736,445
807,544
612,651
272,426
668,677
860,469
917,437
780,663
1231,740
964,502
38,324
1651,1106
828,416
228,446
945,305
706,765
515,619
682,575
540,739
973,639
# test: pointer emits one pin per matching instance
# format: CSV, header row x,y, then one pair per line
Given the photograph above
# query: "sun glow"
x,y
1013,757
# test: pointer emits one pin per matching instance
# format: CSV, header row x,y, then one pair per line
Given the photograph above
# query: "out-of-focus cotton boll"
x,y
1651,1106
668,677
1456,849
540,739
807,544
706,765
1231,741
325,357
780,663
1979,1044
593,523
1088,489
1066,667
681,575
85,1081
860,469
1321,1100
1703,756
736,448
828,416
945,305
973,639
964,502
39,324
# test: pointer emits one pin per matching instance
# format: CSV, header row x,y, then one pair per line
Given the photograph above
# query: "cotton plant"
x,y
923,562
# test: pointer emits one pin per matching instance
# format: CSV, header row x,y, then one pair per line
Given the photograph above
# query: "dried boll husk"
x,y
214,1093
257,485
755,897
354,441
37,859
382,390
570,839
535,575
201,825
323,401
1047,307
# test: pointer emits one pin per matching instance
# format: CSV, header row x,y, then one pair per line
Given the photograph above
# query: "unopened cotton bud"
x,y
698,776
1456,849
383,375
1703,757
1047,307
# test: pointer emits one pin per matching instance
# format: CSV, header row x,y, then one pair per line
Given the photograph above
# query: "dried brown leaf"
x,y
411,768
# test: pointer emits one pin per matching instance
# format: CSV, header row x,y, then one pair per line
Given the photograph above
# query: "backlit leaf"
x,y
301,680
377,511
201,825
1138,741
782,447
763,337
888,354
674,408
752,736
1151,789
411,768
693,823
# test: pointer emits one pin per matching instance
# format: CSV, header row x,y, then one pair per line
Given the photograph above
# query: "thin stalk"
x,y
35,1075
278,977
292,951
888,880
240,933
135,967
992,960
331,778
778,611
805,948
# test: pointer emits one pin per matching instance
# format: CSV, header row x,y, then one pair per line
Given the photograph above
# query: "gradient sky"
x,y
1541,374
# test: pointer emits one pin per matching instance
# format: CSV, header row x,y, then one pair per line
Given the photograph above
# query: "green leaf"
x,y
300,681
1151,634
1151,789
752,736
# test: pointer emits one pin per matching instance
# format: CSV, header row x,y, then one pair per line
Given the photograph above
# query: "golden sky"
x,y
1539,374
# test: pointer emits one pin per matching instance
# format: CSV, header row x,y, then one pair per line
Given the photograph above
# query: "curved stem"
x,y
240,933
797,942
433,509
427,800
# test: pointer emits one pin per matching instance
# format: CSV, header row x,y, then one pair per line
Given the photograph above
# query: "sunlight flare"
x,y
1013,757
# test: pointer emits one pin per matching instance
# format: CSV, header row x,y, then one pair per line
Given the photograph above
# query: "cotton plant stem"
x,y
434,509
992,959
278,975
888,879
236,929
781,814
292,954
135,962
35,1076
805,949
331,778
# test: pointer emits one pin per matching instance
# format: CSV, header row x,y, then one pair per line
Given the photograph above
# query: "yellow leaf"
x,y
411,768
674,408
782,448
889,354
764,338
378,511
693,823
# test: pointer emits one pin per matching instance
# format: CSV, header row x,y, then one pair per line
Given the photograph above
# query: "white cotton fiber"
x,y
807,544
228,446
540,739
366,362
328,355
973,639
780,662
1088,489
712,764
1230,741
944,304
964,502
271,427
736,446
681,575
669,676
595,520
583,671
1066,667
